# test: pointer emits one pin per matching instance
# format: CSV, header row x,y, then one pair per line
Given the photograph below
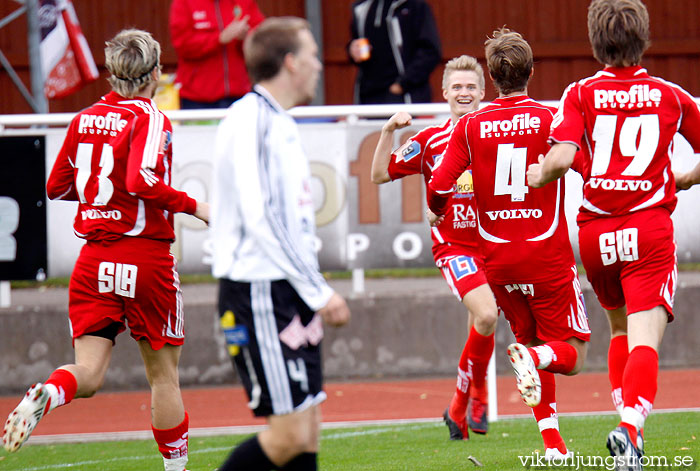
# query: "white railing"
x,y
330,111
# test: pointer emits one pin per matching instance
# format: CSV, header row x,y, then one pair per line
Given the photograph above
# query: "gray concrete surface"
x,y
400,327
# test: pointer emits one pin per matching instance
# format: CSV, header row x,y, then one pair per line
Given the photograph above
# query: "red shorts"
x,y
463,273
129,281
551,310
631,260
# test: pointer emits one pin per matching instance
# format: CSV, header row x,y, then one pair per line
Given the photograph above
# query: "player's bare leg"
x,y
81,379
170,423
291,435
471,380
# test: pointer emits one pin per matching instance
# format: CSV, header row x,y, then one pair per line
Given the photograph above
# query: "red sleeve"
x,y
61,182
142,179
256,16
568,125
580,165
445,174
690,121
190,43
407,159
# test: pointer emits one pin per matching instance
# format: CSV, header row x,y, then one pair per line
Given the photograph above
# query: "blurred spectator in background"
x,y
396,46
208,38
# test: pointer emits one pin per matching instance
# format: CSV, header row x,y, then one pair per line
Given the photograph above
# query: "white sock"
x,y
545,355
175,464
58,396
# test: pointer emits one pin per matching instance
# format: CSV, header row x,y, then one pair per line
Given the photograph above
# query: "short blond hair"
x,y
618,31
465,63
130,57
510,61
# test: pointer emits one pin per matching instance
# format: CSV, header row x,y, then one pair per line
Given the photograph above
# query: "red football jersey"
x,y
457,234
524,236
624,120
116,162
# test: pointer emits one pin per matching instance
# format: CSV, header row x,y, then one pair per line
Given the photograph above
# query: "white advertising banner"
x,y
360,225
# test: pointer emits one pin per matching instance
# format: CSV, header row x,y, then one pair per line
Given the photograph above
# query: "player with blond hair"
x,y
116,162
455,242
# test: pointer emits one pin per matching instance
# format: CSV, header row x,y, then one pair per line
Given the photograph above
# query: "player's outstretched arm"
x,y
552,166
336,312
382,153
685,180
202,211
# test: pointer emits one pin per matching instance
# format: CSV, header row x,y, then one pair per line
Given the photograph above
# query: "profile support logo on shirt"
x,y
638,96
111,124
520,125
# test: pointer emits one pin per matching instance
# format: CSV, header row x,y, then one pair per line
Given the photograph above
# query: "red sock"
x,y
480,348
458,405
555,357
618,353
546,413
639,385
66,386
172,442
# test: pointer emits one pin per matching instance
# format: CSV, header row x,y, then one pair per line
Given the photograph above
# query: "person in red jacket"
x,y
208,38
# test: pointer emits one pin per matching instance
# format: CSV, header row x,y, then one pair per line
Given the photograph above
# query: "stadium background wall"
x,y
399,328
555,29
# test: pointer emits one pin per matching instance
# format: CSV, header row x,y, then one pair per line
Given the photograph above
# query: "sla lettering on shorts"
x,y
119,278
525,288
620,245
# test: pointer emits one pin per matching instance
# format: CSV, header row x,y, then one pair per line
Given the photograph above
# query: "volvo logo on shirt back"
x,y
109,124
520,125
638,96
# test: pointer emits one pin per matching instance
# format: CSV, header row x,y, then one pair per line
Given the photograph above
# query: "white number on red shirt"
x,y
646,127
83,162
511,163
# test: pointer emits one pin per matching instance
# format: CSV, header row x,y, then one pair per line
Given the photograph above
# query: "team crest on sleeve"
x,y
407,151
165,141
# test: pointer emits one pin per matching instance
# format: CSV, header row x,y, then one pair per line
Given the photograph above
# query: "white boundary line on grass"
x,y
390,425
418,424
249,429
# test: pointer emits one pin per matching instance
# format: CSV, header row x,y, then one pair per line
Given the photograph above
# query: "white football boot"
x,y
21,422
526,373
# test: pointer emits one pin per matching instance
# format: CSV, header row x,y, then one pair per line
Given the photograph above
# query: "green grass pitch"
x,y
673,439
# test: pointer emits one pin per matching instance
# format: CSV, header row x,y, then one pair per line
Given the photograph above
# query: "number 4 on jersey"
x,y
511,163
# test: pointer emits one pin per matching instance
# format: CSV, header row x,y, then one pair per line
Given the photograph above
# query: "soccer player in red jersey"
x,y
524,239
455,242
624,120
116,162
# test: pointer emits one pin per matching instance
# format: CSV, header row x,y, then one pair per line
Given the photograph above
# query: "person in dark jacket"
x,y
395,44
